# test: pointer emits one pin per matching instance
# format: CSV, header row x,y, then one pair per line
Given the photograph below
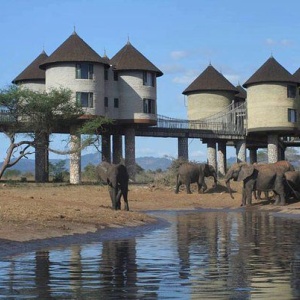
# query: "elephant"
x,y
117,178
293,183
261,178
194,173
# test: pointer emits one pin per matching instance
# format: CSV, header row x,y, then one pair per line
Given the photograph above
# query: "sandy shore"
x,y
30,211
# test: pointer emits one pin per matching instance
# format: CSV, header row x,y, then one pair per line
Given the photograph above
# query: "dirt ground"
x,y
30,211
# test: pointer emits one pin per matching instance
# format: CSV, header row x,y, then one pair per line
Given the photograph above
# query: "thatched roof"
x,y
74,49
241,95
297,75
33,72
129,58
210,80
270,71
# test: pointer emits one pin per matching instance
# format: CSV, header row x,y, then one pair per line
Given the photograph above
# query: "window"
x,y
85,99
116,102
291,91
292,115
105,73
116,78
148,106
148,78
84,71
105,102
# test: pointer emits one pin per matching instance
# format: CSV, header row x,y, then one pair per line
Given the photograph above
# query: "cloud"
x,y
282,42
172,68
187,78
270,42
178,54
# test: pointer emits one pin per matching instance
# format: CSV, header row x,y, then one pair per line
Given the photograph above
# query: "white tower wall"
x,y
64,76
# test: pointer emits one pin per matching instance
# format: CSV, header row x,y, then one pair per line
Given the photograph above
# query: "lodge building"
x,y
124,88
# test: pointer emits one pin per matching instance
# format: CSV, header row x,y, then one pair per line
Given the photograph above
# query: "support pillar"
x,y
106,153
117,149
41,157
272,148
281,155
253,155
212,154
75,157
130,152
222,158
183,148
241,151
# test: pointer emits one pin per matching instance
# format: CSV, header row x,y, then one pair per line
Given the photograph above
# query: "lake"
x,y
208,254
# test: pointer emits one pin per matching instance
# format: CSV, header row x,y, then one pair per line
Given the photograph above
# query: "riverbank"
x,y
30,211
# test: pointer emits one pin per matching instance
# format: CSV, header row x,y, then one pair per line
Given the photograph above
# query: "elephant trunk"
x,y
227,181
215,180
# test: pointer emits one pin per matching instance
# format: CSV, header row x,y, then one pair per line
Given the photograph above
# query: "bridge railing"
x,y
232,120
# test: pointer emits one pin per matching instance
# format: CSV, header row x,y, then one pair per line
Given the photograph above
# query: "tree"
x,y
35,116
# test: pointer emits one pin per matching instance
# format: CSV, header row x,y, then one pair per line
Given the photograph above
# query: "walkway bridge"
x,y
228,124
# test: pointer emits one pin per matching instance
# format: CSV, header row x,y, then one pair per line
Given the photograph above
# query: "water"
x,y
200,255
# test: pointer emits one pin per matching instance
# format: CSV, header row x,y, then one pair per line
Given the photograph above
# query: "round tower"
x,y
76,66
135,76
272,99
33,77
209,94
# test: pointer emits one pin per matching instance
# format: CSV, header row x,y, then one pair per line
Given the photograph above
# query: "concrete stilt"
x,y
75,158
241,151
130,152
272,148
222,158
42,158
106,144
183,148
117,149
212,154
253,155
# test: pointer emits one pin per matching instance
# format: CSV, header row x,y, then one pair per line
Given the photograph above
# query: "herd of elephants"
x,y
280,177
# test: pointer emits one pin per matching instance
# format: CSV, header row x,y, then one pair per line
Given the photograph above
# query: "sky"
x,y
181,38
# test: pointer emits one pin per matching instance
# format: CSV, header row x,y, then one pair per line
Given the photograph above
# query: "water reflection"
x,y
201,255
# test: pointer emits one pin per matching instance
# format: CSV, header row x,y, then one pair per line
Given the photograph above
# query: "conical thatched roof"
x,y
241,95
129,58
210,80
74,49
297,75
33,72
270,71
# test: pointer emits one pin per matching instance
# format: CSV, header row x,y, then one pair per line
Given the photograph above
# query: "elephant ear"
x,y
245,171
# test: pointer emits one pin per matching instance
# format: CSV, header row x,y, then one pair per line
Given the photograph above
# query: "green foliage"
x,y
12,173
39,111
58,171
90,173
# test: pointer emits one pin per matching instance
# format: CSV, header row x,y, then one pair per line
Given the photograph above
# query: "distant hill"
x,y
147,163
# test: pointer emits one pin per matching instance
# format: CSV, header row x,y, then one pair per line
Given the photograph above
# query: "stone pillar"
x,y
212,153
241,151
183,148
106,153
272,148
75,157
130,152
41,157
222,158
253,155
117,149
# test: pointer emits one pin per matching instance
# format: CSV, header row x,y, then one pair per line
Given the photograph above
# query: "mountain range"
x,y
147,163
